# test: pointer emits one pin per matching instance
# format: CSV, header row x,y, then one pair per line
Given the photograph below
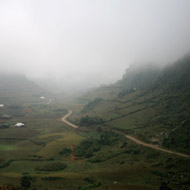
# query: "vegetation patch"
x,y
51,166
7,147
92,183
179,138
125,92
51,178
4,125
5,164
90,146
88,121
87,148
92,104
52,149
66,151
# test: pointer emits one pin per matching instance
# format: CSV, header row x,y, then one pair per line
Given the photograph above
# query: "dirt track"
x,y
131,138
67,122
155,147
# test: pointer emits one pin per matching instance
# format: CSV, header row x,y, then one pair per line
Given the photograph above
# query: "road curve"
x,y
49,102
67,122
131,138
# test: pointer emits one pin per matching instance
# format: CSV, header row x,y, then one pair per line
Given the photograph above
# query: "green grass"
x,y
132,120
7,147
130,166
53,148
109,116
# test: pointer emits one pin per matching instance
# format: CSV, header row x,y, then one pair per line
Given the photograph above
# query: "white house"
x,y
1,105
42,97
19,124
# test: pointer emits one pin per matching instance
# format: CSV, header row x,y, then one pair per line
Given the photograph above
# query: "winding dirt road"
x,y
67,122
131,138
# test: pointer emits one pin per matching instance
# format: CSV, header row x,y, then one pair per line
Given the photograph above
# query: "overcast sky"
x,y
90,40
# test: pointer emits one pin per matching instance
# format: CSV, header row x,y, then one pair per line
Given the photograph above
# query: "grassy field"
x,y
61,141
36,151
8,147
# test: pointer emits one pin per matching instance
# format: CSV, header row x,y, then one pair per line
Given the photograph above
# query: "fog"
x,y
75,43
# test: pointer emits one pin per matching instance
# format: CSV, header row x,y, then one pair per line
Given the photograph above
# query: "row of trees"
x,y
88,121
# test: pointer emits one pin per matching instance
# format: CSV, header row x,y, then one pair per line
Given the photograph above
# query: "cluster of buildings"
x,y
5,117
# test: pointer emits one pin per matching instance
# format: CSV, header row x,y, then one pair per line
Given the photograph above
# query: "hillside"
x,y
149,103
15,88
137,76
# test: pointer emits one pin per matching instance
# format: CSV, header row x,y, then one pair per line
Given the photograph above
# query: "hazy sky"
x,y
90,40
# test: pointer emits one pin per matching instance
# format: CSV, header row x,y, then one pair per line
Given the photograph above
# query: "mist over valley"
x,y
94,95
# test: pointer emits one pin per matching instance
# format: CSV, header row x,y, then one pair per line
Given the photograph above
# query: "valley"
x,y
113,137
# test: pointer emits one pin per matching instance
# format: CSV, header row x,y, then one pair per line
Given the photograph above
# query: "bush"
x,y
66,151
4,125
87,148
51,178
157,173
92,183
55,166
92,104
88,121
108,138
26,182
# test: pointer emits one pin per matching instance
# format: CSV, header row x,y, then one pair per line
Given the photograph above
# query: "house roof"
x,y
19,124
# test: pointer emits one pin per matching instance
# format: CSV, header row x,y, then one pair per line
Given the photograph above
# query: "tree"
x,y
26,182
164,186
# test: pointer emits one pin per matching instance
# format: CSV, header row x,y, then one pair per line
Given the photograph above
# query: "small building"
x,y
1,106
17,125
42,97
5,116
